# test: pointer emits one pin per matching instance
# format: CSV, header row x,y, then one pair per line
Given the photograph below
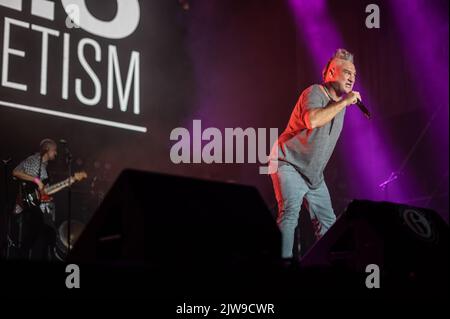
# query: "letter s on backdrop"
x,y
121,26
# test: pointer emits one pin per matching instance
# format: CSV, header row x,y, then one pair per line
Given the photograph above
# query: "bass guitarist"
x,y
34,212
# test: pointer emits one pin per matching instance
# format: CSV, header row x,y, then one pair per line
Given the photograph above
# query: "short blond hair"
x,y
340,54
45,145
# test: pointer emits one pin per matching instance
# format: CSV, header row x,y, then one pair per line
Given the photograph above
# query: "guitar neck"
x,y
59,186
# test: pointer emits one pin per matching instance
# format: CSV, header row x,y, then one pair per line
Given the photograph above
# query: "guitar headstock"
x,y
78,176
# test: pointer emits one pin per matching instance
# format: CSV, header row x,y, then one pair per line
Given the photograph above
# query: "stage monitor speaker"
x,y
408,244
161,220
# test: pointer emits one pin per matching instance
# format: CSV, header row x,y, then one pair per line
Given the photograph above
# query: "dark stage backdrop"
x,y
148,67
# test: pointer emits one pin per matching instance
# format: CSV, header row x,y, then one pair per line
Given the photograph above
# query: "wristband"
x,y
36,180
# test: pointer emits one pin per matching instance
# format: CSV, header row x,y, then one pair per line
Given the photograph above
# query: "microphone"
x,y
363,108
64,143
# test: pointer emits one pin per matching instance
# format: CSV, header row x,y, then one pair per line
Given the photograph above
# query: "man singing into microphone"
x,y
305,147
